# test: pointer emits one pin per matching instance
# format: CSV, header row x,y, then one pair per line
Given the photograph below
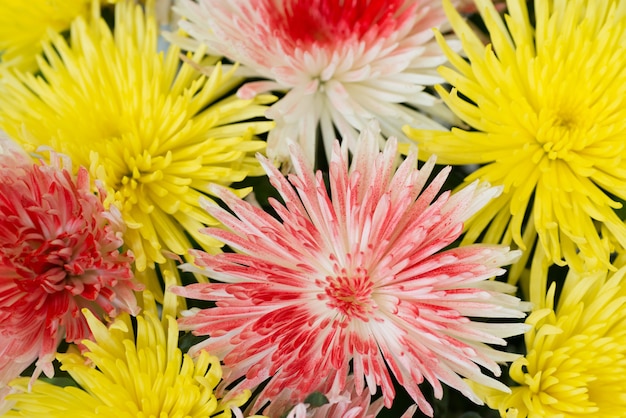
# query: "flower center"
x,y
49,264
142,169
331,21
351,294
561,132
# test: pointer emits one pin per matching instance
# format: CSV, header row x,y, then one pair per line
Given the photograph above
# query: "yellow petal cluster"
x,y
547,104
130,375
154,130
24,25
576,352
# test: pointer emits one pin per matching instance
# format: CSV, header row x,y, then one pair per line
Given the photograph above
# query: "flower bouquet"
x,y
332,208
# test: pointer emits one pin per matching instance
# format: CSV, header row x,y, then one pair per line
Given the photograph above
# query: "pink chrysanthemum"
x,y
354,277
340,63
59,253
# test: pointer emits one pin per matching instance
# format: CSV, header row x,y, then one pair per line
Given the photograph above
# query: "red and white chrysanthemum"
x,y
354,277
341,63
59,253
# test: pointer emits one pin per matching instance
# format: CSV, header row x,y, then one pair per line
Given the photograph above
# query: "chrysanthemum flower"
x,y
576,360
346,404
155,132
548,106
59,253
353,276
130,375
25,25
340,63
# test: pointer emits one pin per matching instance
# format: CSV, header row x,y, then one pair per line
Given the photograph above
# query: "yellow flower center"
x,y
561,132
142,169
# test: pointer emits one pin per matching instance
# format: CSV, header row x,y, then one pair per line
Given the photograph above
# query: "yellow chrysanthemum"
x,y
130,376
576,354
24,25
154,130
548,105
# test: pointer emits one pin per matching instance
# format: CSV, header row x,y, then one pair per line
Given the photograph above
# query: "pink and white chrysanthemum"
x,y
59,253
341,63
355,276
347,404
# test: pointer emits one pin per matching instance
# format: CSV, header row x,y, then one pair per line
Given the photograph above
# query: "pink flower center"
x,y
304,23
351,294
48,264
